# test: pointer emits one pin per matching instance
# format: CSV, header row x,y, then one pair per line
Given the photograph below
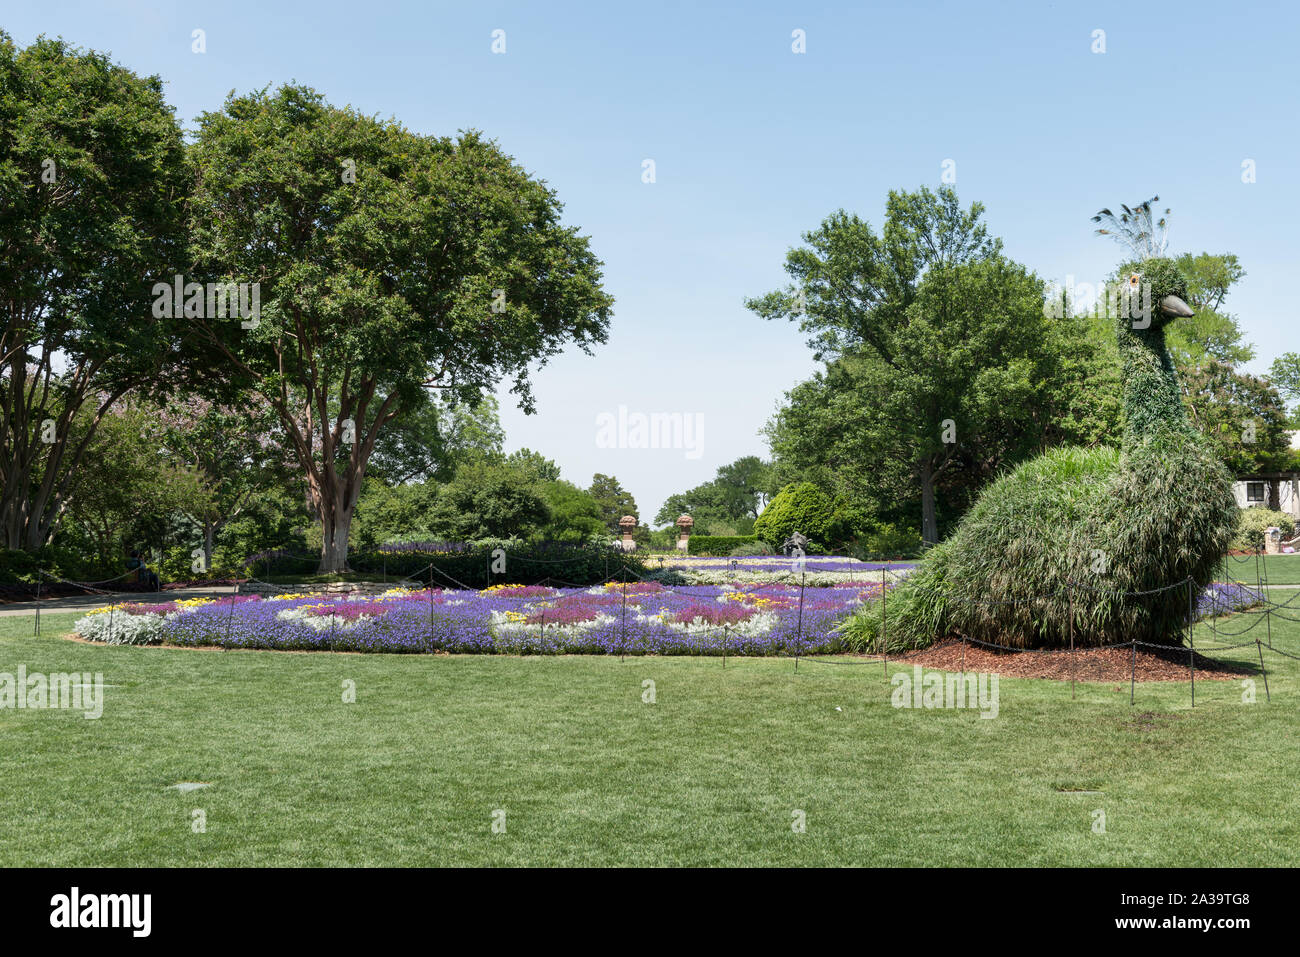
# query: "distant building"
x,y
1279,491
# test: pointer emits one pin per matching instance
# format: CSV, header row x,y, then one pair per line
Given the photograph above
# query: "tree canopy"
x,y
92,185
388,263
728,504
943,355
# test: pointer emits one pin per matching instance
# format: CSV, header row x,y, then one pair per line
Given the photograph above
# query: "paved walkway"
x,y
82,603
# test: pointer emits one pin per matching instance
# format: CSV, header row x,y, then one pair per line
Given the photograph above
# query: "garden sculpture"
x,y
1076,533
797,543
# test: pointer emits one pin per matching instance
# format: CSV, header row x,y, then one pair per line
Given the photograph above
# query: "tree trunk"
x,y
335,526
31,515
929,524
209,533
13,515
335,500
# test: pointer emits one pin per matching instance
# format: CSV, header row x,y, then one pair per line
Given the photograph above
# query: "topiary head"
x,y
1168,292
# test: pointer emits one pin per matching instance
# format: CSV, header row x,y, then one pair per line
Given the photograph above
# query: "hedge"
x,y
449,565
717,544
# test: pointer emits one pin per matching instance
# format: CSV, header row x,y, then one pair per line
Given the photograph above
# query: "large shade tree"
x,y
389,263
92,179
953,360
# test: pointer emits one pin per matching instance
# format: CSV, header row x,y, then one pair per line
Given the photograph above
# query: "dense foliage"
x,y
803,508
1253,522
388,263
722,544
92,187
943,364
726,505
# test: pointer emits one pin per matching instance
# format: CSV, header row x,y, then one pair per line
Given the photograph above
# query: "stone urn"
x,y
627,523
684,524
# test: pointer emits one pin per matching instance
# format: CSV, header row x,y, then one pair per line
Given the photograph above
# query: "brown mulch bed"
x,y
1092,664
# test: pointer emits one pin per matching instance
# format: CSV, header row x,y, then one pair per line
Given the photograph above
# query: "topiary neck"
x,y
1152,399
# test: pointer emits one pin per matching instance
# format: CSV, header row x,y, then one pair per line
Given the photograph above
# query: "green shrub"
x,y
17,566
717,544
1252,522
892,541
758,547
663,539
801,507
525,563
176,564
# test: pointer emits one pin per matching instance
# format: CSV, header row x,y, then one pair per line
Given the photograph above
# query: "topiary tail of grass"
x,y
912,615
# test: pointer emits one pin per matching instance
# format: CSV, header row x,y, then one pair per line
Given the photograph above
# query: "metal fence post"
x,y
1191,639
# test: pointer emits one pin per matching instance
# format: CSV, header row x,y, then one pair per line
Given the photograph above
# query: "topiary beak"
x,y
1175,308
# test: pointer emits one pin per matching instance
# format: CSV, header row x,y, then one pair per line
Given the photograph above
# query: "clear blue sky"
x,y
754,144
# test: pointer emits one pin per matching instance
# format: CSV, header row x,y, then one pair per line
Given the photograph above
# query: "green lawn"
x,y
1280,569
589,774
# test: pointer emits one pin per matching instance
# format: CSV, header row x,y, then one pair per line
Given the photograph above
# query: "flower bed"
x,y
815,571
1222,598
636,619
131,623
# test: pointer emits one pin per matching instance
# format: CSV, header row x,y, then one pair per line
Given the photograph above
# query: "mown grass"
x,y
1278,569
588,773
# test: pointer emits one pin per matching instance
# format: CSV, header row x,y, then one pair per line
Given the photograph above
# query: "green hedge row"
x,y
525,564
717,544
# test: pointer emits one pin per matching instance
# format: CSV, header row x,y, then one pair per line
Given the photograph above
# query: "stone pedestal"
x,y
627,523
1272,541
685,524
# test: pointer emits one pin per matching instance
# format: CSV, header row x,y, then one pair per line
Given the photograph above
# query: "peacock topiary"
x,y
1082,528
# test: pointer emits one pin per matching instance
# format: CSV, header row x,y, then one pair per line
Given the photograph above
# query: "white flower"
x,y
503,627
755,627
123,628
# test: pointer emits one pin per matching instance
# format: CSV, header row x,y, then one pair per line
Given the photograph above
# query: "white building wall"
x,y
1288,495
